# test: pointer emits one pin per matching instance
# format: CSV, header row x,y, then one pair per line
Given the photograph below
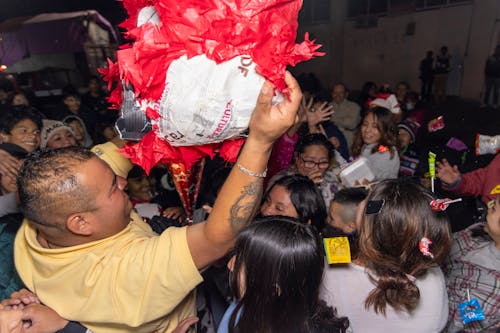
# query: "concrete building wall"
x,y
391,51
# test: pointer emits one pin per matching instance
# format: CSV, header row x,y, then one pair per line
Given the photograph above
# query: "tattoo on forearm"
x,y
245,206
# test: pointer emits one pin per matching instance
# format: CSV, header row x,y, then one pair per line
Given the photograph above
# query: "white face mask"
x,y
409,106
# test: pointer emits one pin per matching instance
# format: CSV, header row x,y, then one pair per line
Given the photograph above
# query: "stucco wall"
x,y
386,53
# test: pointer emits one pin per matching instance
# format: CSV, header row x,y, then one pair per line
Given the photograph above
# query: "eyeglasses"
x,y
311,164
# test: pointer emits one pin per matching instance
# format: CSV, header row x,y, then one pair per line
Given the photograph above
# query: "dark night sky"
x,y
110,9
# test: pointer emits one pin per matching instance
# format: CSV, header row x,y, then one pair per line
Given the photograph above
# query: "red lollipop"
x,y
441,204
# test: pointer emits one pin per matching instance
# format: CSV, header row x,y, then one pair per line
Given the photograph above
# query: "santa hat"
x,y
50,128
411,127
388,101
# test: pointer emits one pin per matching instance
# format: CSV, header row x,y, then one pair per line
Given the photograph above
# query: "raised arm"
x,y
450,175
240,195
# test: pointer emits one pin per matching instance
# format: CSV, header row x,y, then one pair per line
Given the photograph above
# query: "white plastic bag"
x,y
204,102
487,144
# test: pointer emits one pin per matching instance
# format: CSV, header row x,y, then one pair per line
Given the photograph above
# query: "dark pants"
x,y
492,85
440,86
426,89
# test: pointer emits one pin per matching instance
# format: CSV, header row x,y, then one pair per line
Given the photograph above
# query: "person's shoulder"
x,y
468,239
352,104
434,273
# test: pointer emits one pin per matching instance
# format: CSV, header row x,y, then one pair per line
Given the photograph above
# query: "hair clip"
x,y
491,204
374,206
423,246
410,277
441,204
382,149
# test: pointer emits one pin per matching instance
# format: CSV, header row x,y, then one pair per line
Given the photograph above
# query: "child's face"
x,y
369,129
404,138
493,221
109,133
61,139
278,202
73,103
25,134
78,130
140,188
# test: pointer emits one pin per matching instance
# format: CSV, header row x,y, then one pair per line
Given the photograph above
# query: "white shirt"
x,y
346,287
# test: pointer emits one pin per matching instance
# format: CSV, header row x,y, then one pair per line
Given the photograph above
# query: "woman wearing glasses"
x,y
315,157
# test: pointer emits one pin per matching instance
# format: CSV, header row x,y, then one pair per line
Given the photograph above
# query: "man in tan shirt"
x,y
346,113
80,252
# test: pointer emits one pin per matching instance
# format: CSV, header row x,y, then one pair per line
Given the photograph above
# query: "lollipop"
x,y
432,168
441,204
436,124
424,245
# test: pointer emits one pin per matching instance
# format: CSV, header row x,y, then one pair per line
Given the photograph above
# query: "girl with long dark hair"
x,y
276,274
376,140
295,196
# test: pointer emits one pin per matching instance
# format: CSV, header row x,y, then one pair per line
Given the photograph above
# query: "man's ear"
x,y
80,224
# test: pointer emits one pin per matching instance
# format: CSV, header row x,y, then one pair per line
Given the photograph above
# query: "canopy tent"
x,y
24,38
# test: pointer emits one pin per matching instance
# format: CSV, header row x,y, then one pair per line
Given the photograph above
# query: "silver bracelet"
x,y
251,173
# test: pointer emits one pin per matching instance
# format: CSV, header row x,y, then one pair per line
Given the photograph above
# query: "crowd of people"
x,y
91,243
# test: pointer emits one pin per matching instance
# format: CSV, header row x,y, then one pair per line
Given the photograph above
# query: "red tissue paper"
x,y
162,31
